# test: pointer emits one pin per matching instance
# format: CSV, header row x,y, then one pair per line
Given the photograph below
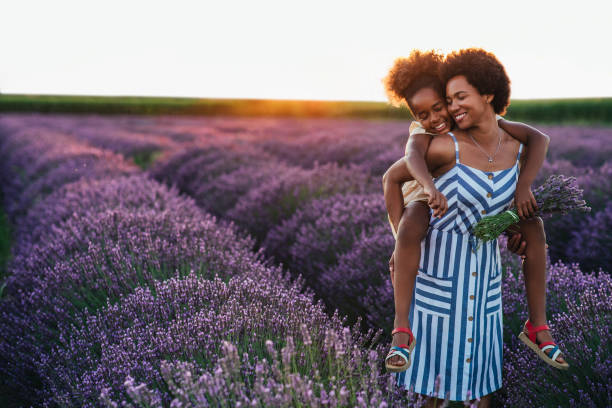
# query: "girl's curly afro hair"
x,y
483,71
410,74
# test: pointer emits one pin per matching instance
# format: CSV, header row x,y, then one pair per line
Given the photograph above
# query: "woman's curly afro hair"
x,y
410,74
483,71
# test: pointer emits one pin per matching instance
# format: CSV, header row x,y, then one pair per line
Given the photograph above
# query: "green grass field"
x,y
550,111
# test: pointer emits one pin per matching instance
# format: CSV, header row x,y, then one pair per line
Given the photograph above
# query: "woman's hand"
x,y
437,201
525,202
516,245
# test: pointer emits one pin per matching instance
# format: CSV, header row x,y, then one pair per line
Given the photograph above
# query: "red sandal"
x,y
530,340
402,350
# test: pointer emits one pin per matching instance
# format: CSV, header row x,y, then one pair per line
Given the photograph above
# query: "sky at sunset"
x,y
329,50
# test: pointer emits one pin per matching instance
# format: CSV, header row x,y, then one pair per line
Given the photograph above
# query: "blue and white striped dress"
x,y
456,313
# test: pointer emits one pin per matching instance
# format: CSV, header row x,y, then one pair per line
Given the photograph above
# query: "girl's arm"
x,y
536,153
440,156
416,148
415,159
392,181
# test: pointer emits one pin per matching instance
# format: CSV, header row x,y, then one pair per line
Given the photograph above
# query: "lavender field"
x,y
193,262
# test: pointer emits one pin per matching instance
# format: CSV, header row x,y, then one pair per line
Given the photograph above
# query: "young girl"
x,y
415,81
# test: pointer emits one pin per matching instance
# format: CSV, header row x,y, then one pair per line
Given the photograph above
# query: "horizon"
x,y
262,99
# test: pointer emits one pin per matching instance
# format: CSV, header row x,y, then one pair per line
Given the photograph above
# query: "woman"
x,y
455,313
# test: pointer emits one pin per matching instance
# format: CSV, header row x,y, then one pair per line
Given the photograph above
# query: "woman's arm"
x,y
537,143
392,181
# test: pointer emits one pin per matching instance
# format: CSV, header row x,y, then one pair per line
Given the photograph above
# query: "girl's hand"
x,y
525,202
437,201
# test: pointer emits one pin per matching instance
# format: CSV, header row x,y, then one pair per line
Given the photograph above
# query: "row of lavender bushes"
x,y
121,292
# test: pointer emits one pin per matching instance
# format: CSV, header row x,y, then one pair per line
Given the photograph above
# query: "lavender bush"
x,y
219,195
271,203
564,232
34,163
579,325
322,229
583,332
188,169
87,197
326,147
182,319
359,285
118,135
584,146
277,381
591,244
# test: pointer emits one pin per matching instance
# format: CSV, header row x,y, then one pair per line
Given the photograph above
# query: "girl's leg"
x,y
534,272
411,230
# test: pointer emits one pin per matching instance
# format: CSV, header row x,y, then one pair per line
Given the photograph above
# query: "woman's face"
x,y
429,109
465,104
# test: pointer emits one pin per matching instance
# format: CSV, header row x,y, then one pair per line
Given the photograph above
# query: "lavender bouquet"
x,y
558,195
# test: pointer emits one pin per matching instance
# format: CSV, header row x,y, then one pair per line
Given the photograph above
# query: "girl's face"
x,y
465,104
429,108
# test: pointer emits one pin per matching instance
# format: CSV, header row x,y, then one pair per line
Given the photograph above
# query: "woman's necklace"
x,y
483,150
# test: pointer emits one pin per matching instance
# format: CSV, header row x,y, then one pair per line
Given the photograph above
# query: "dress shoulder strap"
x,y
456,147
518,156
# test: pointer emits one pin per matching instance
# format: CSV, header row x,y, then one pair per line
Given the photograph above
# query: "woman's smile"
x,y
459,117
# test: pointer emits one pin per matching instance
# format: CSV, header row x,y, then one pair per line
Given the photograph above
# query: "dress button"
x,y
483,212
470,318
489,195
473,273
467,360
471,296
469,340
490,177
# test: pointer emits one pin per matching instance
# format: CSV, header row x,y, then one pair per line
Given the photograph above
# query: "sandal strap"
x,y
554,353
546,343
403,330
531,330
398,351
